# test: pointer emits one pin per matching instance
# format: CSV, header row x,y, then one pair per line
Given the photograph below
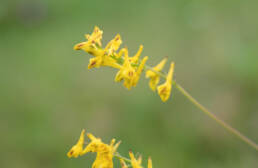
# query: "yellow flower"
x,y
139,71
95,37
113,45
136,163
103,60
126,73
135,58
164,90
92,46
149,163
76,150
154,77
121,53
104,152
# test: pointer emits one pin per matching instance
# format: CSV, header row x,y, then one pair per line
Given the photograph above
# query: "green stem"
x,y
215,118
209,113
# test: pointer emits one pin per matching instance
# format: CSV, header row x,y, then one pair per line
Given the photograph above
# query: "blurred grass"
x,y
48,96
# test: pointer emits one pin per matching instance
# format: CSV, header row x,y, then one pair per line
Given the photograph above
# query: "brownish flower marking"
x,y
163,90
93,63
130,73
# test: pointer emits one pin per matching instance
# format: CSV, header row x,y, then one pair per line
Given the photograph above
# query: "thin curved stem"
x,y
215,118
210,114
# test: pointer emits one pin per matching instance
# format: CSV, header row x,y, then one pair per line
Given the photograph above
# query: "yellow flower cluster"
x,y
105,153
130,68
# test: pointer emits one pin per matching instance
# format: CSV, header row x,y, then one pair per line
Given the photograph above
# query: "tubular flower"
x,y
164,90
113,45
95,37
154,77
129,68
104,151
103,60
139,71
94,41
126,73
93,47
77,149
135,58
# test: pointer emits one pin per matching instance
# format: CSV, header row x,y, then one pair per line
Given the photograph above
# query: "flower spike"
x,y
130,68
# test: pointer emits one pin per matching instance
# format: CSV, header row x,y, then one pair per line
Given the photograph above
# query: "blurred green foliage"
x,y
48,96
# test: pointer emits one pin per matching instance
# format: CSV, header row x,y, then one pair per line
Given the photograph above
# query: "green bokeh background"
x,y
48,95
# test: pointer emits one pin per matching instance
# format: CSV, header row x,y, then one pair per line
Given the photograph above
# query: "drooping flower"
x,y
77,149
154,77
164,90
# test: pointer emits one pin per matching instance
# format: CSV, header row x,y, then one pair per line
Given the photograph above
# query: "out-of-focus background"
x,y
48,96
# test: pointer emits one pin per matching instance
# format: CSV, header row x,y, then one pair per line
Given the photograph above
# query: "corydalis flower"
x,y
135,58
105,152
130,68
93,47
128,73
154,77
164,90
77,149
113,45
